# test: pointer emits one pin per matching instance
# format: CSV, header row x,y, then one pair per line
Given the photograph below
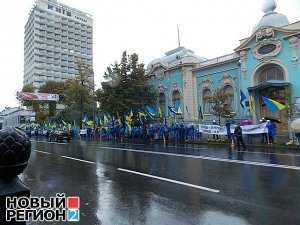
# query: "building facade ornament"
x,y
206,84
161,89
227,80
175,87
294,43
265,33
267,49
243,61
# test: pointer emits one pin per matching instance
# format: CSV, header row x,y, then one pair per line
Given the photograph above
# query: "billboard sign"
x,y
28,96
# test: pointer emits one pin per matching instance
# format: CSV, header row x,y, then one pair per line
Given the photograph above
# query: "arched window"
x,y
206,94
176,99
162,102
269,72
228,90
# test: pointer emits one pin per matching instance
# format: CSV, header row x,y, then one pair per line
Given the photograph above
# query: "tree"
x,y
34,105
28,88
126,87
52,87
221,105
78,92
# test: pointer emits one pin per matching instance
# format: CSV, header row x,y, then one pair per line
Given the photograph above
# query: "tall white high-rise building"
x,y
56,36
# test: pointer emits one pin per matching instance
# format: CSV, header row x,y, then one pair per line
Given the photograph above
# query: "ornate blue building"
x,y
264,64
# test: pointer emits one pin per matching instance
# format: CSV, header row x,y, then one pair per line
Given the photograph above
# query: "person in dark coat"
x,y
271,131
238,133
228,124
181,134
166,134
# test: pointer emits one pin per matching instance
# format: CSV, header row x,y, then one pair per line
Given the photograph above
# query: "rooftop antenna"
x,y
178,35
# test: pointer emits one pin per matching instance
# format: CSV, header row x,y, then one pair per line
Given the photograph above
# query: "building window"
x,y
176,99
228,90
162,102
206,95
68,13
58,9
50,7
269,72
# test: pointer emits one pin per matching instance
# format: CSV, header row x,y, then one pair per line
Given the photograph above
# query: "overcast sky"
x,y
210,28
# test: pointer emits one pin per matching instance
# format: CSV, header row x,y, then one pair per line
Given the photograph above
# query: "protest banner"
x,y
221,130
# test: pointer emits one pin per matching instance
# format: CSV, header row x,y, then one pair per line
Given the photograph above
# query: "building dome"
x,y
271,18
175,57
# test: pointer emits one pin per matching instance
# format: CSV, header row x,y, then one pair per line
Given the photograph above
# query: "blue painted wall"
x,y
215,74
168,79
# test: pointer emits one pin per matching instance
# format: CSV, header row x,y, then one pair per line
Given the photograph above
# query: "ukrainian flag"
x,y
150,111
272,105
159,112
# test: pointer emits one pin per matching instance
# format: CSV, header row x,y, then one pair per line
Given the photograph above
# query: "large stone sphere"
x,y
15,149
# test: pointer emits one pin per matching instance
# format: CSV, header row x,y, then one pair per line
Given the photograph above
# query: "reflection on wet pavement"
x,y
249,194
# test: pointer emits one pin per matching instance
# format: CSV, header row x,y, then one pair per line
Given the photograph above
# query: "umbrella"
x,y
272,119
296,125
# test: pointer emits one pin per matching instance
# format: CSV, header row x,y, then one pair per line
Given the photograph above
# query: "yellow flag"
x,y
179,110
159,112
251,104
141,114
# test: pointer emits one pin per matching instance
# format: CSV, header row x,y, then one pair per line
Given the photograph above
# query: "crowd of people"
x,y
177,133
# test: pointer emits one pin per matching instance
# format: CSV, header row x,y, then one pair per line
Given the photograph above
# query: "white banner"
x,y
221,130
212,129
27,96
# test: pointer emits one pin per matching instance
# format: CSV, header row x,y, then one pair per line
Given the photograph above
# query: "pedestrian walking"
x,y
238,133
272,130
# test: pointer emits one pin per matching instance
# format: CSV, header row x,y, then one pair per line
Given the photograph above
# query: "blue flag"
x,y
172,109
85,118
151,111
242,99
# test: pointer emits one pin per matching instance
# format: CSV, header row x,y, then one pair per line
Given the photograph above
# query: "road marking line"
x,y
208,158
203,148
66,157
48,153
58,143
170,180
80,160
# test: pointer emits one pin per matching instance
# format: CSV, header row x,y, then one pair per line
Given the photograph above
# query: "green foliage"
x,y
28,88
52,87
126,87
78,92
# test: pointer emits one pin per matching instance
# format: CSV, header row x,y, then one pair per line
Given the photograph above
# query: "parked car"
x,y
59,136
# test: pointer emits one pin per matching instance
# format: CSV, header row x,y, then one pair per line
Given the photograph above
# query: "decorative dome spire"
x,y
271,18
269,6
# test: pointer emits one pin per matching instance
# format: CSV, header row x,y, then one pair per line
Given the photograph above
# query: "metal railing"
x,y
220,59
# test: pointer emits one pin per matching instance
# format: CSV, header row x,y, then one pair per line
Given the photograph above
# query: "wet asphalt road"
x,y
124,184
